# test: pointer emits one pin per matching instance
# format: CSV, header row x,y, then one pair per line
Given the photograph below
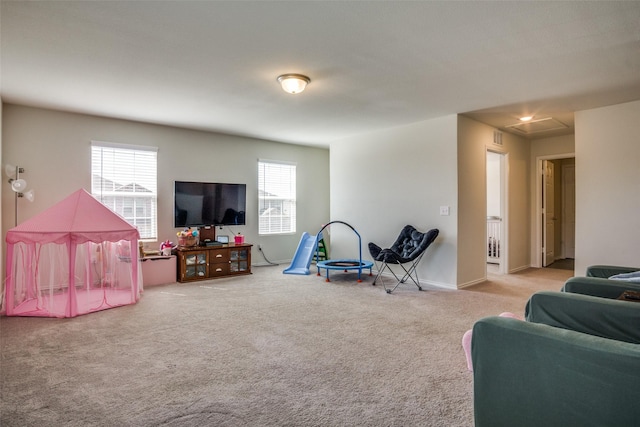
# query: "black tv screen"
x,y
197,204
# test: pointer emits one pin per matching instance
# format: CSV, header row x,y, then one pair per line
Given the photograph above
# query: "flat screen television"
x,y
198,204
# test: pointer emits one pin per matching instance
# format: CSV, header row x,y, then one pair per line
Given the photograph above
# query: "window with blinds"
x,y
124,178
276,197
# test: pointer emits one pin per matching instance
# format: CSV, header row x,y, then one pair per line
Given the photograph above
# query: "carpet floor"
x,y
262,350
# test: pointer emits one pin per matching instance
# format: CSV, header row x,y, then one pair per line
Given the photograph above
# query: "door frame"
x,y
504,211
548,218
564,252
538,214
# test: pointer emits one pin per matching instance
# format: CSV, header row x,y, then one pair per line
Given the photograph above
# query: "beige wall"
x,y
54,149
474,139
559,166
384,180
608,186
1,211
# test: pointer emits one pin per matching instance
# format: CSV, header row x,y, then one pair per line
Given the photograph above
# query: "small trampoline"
x,y
344,264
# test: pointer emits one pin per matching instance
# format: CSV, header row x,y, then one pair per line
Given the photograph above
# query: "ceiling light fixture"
x,y
526,118
293,83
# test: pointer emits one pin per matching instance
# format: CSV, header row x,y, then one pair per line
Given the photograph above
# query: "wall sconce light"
x,y
293,83
18,185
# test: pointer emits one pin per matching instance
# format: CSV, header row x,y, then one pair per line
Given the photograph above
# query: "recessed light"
x,y
526,118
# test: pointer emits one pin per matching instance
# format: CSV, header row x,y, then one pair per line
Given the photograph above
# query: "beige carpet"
x,y
261,350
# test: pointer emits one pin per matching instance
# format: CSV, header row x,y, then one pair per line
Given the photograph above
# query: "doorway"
x,y
496,239
555,224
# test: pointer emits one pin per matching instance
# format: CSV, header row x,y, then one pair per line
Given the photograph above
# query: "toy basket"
x,y
187,241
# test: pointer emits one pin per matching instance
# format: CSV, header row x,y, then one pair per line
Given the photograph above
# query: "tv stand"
x,y
212,262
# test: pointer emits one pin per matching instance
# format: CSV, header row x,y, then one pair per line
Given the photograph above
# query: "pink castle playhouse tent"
x,y
76,257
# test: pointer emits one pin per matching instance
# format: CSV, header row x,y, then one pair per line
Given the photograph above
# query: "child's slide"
x,y
303,256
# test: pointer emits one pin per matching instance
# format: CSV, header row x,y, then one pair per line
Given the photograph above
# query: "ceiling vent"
x,y
535,126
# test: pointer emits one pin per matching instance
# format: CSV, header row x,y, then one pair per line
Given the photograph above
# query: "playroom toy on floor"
x,y
309,247
345,264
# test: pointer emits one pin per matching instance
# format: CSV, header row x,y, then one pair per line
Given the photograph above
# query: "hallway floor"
x,y
563,264
560,264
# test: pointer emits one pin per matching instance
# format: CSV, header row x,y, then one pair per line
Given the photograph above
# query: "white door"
x,y
569,210
548,217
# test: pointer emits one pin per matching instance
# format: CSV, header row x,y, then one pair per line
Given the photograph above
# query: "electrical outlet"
x,y
444,210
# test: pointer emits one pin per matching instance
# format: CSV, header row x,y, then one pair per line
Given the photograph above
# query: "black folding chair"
x,y
408,248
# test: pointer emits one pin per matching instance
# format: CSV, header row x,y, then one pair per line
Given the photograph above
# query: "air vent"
x,y
535,126
497,137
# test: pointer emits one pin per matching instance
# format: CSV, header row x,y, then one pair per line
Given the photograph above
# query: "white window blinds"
x,y
124,178
276,197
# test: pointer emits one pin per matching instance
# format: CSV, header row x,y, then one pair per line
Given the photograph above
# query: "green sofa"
x,y
574,362
602,317
606,271
598,283
531,375
598,287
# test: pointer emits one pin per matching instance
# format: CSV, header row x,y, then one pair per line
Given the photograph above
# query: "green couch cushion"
x,y
598,287
607,318
606,271
531,375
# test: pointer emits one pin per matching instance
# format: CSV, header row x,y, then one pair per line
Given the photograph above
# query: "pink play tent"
x,y
76,257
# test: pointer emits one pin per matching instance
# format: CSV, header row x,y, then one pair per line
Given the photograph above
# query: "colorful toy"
x,y
188,237
166,247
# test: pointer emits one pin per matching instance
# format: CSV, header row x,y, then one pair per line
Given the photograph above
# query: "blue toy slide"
x,y
304,254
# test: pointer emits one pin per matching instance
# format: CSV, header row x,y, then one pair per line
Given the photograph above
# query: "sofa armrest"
x,y
605,271
602,317
531,375
598,287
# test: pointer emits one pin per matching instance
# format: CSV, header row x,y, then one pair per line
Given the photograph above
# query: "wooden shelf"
x,y
210,262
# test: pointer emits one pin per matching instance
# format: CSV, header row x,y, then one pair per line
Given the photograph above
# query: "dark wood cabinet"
x,y
202,263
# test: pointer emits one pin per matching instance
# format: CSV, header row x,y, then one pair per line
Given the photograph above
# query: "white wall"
x,y
54,149
608,186
382,181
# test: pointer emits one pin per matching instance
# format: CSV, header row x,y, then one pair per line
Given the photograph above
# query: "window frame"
x,y
280,204
142,195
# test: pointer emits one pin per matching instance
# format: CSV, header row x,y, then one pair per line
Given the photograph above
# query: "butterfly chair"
x,y
408,249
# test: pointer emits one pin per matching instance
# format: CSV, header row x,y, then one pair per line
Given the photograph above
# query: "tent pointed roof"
x,y
80,216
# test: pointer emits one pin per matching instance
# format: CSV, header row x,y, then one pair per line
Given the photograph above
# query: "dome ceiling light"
x,y
293,83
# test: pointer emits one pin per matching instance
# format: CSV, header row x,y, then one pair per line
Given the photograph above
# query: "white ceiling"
x,y
212,65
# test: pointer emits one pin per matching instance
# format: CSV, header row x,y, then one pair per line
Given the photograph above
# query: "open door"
x,y
555,210
548,213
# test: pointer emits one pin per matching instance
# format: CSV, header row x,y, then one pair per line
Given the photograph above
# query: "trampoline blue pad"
x,y
344,264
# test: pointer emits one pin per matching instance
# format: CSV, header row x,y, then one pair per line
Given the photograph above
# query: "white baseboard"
x,y
422,282
523,267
